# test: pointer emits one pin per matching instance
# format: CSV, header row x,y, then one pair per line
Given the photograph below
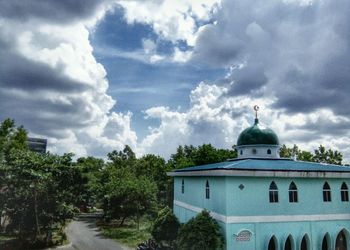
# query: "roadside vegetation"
x,y
40,193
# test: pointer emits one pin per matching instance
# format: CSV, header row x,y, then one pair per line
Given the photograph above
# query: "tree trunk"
x,y
138,218
122,222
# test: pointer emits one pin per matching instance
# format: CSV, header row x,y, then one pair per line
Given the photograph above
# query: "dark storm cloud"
x,y
303,52
38,96
249,80
322,126
44,115
61,11
21,73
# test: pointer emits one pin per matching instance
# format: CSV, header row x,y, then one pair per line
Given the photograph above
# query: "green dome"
x,y
255,135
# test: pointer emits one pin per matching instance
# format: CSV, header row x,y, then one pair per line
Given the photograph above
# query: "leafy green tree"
x,y
124,158
39,192
90,169
201,233
321,155
11,137
126,194
329,156
286,152
165,228
155,168
182,158
187,156
305,156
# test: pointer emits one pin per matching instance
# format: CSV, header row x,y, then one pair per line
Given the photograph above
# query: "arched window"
x,y
288,243
207,190
326,193
325,243
269,151
305,243
183,186
293,192
344,193
254,151
340,243
241,152
272,243
273,192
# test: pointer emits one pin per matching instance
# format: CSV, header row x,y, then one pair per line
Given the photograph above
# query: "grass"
x,y
6,238
128,234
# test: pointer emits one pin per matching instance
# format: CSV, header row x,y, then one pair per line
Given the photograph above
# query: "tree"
x,y
165,228
329,156
286,152
155,168
321,155
90,169
11,138
38,192
126,194
187,156
123,158
201,233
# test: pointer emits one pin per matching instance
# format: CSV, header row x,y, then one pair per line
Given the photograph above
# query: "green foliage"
x,y
328,156
187,156
89,185
201,233
166,227
321,155
154,167
122,158
125,192
11,138
38,191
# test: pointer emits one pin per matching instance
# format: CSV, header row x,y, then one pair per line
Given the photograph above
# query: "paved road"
x,y
84,235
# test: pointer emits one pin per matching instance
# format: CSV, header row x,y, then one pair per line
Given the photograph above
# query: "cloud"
x,y
297,52
289,57
50,81
173,21
63,11
218,118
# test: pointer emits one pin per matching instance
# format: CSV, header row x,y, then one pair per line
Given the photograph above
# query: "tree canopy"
x,y
321,155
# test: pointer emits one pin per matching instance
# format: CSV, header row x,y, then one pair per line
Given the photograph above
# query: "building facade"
x,y
37,144
262,201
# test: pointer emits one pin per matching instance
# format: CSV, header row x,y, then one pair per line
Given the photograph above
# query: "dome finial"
x,y
256,108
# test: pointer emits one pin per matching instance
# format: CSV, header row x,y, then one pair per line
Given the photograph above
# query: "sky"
x,y
94,75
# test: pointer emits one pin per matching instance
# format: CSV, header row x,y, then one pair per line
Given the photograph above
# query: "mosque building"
x,y
262,201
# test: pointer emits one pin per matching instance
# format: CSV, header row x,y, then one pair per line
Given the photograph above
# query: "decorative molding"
x,y
265,218
259,173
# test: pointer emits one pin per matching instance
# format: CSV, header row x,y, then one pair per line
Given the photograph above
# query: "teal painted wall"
x,y
226,198
195,193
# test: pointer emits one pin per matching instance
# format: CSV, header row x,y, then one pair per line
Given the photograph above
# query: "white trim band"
x,y
265,218
259,173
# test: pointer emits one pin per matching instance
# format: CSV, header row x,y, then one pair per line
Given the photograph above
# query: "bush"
x,y
165,228
201,233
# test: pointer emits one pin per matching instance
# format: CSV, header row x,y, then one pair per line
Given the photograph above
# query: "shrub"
x,y
165,228
201,233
